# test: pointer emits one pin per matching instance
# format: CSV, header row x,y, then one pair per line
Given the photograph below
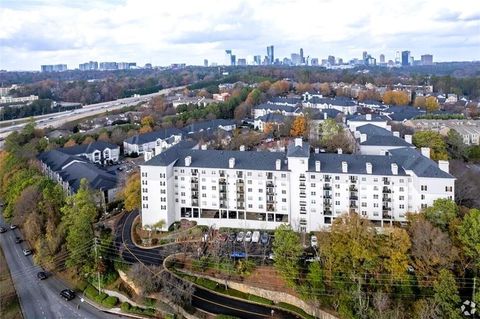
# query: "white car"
x,y
248,237
255,236
314,241
240,236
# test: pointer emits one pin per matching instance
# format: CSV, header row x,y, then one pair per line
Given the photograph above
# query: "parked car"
x,y
27,252
232,237
18,240
255,236
265,238
13,226
314,241
67,294
41,275
248,237
240,236
2,230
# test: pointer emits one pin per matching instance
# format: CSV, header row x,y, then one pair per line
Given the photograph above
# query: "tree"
x,y
396,97
148,121
88,140
303,87
446,295
279,87
287,249
341,140
328,129
433,140
79,214
145,129
145,278
264,86
469,235
104,137
431,104
420,101
455,146
325,89
315,281
71,142
254,97
441,213
394,250
131,192
118,136
299,126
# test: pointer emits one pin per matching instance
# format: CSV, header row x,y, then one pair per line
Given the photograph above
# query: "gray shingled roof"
x,y
289,100
275,107
96,177
170,155
412,159
88,148
153,136
272,118
332,101
332,163
372,130
56,159
207,125
379,140
363,118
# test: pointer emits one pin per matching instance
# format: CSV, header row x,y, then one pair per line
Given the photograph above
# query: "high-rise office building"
x,y
270,54
382,58
108,66
53,68
397,57
405,58
257,59
228,57
88,66
205,63
427,59
364,56
242,62
296,59
302,58
314,62
331,60
340,61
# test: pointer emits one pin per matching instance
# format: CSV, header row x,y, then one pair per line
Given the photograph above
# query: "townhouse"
x,y
148,142
98,152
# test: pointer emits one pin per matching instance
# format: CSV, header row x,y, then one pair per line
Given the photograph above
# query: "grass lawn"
x,y
9,304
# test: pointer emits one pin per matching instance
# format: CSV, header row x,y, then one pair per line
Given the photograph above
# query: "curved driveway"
x,y
202,299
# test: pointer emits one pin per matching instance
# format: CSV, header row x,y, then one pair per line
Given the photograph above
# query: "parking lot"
x,y
241,244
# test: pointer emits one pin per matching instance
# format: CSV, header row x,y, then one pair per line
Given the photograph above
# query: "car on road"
x,y
232,237
264,239
2,230
248,237
41,275
13,226
67,294
255,236
18,240
313,241
240,236
27,252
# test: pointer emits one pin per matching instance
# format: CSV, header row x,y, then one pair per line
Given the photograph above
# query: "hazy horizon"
x,y
70,32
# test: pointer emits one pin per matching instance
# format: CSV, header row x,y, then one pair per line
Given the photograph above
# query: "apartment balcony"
x,y
270,208
386,190
353,180
240,189
327,204
223,196
327,179
269,176
353,188
353,206
327,196
240,198
194,187
239,174
194,172
194,202
303,185
194,179
222,173
386,214
240,206
270,192
353,197
386,199
386,208
240,182
327,212
270,199
386,182
327,187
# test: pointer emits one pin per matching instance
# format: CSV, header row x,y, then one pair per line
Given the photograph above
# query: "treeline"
x,y
38,107
424,270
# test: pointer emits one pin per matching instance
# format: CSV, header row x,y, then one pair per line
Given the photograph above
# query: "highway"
x,y
40,298
58,119
202,299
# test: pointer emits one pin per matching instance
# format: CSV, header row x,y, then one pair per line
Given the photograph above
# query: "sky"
x,y
35,32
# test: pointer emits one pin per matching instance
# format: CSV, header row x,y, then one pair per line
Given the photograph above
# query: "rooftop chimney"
x,y
394,169
242,148
344,167
389,127
339,151
325,116
203,147
368,117
363,138
188,160
369,168
298,142
397,134
231,162
278,164
425,151
444,166
317,166
317,150
408,138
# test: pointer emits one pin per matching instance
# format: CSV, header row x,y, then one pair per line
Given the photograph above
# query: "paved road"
x,y
40,299
201,299
58,119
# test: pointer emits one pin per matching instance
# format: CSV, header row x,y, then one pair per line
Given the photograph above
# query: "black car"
x,y
67,294
13,226
2,230
42,275
18,240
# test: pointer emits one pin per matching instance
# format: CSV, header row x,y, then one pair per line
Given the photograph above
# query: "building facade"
x,y
263,190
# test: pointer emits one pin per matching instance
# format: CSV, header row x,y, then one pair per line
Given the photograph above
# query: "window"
x,y
364,204
375,180
375,188
162,191
284,200
260,206
401,206
337,194
312,185
249,182
145,197
423,206
402,180
337,186
249,173
182,201
204,179
182,178
260,190
249,190
401,189
283,175
182,194
448,188
337,178
204,188
422,197
204,195
284,191
364,179
375,196
250,205
214,188
260,198
375,205
313,193
401,197
313,202
423,187
337,203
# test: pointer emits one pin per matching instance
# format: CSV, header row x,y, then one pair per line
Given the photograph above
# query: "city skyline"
x,y
189,32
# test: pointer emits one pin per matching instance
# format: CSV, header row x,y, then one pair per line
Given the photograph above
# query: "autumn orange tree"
x,y
299,126
71,142
130,192
431,104
303,87
396,97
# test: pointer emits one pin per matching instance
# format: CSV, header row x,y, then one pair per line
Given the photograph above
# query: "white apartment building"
x,y
147,142
248,189
11,99
98,152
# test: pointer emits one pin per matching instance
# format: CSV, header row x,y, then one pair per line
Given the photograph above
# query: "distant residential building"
x,y
205,63
331,60
344,105
98,152
222,97
359,120
314,62
375,140
53,68
88,66
242,62
5,91
148,66
382,58
469,130
257,59
427,59
270,54
207,128
295,57
340,61
22,99
405,58
147,142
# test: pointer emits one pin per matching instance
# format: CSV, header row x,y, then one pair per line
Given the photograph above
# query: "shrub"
x,y
295,309
93,294
110,302
125,306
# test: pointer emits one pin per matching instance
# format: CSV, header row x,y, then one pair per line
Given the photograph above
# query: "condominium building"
x,y
248,189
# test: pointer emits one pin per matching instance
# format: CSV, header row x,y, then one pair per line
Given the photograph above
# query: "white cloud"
x,y
162,32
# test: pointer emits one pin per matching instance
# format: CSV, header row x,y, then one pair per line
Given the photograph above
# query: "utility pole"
x,y
97,261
